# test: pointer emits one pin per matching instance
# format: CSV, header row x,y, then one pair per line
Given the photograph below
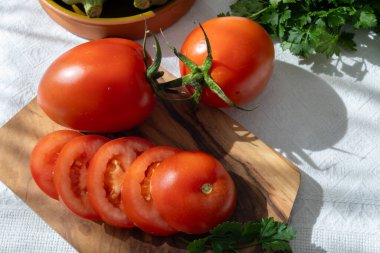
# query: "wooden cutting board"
x,y
267,183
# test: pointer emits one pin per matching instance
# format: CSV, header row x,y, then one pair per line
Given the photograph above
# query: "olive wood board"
x,y
267,183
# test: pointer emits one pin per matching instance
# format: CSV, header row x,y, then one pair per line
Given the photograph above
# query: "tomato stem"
x,y
207,188
153,74
198,79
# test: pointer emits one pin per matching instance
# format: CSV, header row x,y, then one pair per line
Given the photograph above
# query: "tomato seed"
x,y
78,178
113,179
145,184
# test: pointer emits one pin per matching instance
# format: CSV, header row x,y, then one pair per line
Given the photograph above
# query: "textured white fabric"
x,y
324,115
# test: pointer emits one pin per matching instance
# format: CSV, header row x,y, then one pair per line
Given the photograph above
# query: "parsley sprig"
x,y
306,27
232,236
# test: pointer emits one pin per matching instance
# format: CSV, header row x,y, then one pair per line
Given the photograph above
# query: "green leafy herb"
x,y
232,236
306,27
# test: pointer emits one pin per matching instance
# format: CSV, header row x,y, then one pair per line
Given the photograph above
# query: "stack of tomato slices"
x,y
128,182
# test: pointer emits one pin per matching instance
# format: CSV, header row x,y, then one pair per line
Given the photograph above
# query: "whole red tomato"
x,y
98,86
192,192
243,57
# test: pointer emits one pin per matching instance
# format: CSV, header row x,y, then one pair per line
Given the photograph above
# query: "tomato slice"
x,y
70,174
193,192
106,174
136,195
44,156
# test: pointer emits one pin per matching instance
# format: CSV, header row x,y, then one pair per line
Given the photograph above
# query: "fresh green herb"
x,y
306,27
232,236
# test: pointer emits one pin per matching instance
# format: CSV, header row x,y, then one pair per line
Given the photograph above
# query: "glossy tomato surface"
x,y
70,174
136,192
98,86
106,175
243,58
44,157
193,192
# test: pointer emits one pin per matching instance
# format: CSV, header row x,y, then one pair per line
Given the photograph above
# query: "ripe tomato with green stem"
x,y
106,174
237,55
193,192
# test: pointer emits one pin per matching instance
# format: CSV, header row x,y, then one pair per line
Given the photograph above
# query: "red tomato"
x,y
136,191
106,174
44,156
98,86
243,57
70,174
193,192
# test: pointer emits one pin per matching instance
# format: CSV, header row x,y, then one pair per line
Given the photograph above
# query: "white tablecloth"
x,y
324,115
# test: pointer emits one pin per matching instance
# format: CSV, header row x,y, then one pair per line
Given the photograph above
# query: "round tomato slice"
x,y
136,196
193,192
106,174
44,156
70,174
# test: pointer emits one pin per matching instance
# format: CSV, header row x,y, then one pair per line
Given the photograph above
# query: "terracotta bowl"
x,y
129,26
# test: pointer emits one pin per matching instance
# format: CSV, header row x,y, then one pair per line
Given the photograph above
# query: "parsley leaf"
x,y
197,246
307,27
232,236
366,20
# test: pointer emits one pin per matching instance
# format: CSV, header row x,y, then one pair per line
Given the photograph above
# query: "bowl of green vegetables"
x,y
94,19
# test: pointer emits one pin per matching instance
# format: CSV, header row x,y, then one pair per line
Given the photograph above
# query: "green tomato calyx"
x,y
198,79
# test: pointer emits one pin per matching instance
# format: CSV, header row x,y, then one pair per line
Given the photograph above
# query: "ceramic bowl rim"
x,y
103,21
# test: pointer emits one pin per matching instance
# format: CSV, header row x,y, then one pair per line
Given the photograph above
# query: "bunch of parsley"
x,y
307,27
231,236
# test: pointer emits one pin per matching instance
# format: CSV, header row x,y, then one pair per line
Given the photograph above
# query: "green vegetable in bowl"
x,y
145,4
93,8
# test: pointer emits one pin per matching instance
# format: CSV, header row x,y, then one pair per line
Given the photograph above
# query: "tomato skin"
x,y
141,211
98,86
70,174
243,58
107,170
44,157
177,192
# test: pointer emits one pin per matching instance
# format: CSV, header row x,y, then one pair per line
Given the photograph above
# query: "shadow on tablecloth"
x,y
353,64
301,116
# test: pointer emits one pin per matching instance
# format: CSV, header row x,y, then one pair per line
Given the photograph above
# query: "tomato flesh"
x,y
113,178
70,175
44,157
243,58
106,176
146,182
193,192
136,192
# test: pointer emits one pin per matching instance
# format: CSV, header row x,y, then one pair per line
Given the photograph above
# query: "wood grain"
x,y
267,183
